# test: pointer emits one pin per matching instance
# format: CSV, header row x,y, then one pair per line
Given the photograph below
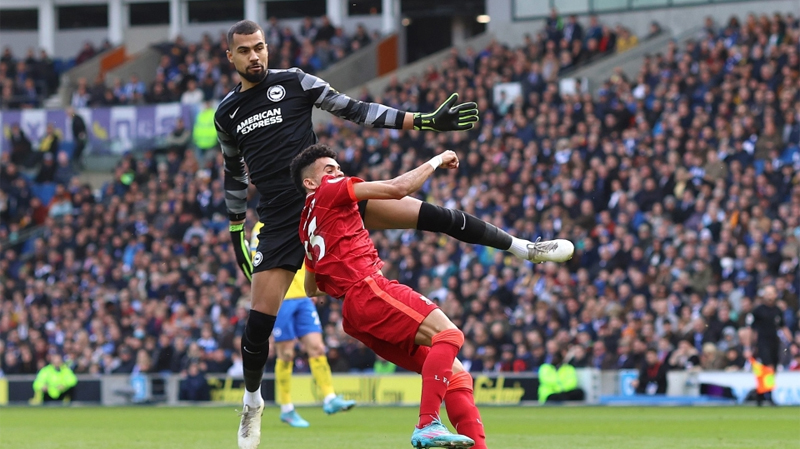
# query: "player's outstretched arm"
x,y
448,117
405,184
310,285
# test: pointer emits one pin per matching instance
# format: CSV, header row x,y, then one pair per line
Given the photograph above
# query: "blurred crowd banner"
x,y
538,9
379,390
394,389
19,389
787,385
405,389
113,130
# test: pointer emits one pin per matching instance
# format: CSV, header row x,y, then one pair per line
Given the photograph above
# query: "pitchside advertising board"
x,y
122,125
403,389
21,391
787,385
741,384
381,390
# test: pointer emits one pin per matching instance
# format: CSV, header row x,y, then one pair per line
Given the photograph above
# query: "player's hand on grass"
x,y
448,117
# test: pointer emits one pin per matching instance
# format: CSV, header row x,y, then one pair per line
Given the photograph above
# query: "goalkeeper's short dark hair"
x,y
305,159
244,27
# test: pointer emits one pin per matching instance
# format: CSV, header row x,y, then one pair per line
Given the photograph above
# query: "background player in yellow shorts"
x,y
298,319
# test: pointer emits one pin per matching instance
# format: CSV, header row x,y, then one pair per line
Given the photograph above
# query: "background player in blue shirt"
x,y
298,320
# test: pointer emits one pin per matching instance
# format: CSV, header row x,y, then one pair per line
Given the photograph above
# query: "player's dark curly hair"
x,y
242,27
305,159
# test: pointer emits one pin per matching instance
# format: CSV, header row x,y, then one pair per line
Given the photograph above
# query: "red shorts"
x,y
385,314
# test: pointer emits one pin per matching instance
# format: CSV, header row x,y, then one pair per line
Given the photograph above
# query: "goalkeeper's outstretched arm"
x,y
448,117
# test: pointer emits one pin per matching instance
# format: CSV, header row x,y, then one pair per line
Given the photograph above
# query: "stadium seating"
x,y
669,182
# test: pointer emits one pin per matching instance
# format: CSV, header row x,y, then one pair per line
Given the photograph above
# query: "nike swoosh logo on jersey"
x,y
249,351
465,221
234,112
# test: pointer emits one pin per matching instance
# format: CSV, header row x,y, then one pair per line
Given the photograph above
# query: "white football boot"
x,y
250,426
558,250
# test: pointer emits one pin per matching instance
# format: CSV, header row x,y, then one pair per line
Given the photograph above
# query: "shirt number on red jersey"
x,y
314,240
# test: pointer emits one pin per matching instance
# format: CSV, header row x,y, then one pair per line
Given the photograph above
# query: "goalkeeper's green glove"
x,y
242,250
448,117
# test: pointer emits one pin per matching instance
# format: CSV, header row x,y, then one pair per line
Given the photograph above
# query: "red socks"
x,y
461,409
436,373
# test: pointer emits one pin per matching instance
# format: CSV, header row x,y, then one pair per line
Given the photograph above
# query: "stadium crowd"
x,y
679,188
25,82
195,72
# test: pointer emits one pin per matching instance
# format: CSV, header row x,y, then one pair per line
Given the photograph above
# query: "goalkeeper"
x,y
298,319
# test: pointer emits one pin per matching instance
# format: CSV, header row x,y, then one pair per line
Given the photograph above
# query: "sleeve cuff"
x,y
350,190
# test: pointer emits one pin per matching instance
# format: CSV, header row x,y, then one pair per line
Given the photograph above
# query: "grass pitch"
x,y
378,428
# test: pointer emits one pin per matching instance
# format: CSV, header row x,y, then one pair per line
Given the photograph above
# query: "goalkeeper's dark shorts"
x,y
279,239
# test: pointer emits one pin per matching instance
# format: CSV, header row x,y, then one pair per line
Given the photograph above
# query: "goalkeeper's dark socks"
x,y
462,226
255,348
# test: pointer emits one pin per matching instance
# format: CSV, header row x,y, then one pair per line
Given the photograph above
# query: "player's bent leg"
x,y
321,370
269,288
436,373
392,353
435,434
411,213
433,324
459,400
283,383
444,335
445,341
285,339
461,409
414,320
392,214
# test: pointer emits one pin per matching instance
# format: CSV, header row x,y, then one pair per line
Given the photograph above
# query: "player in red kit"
x,y
392,319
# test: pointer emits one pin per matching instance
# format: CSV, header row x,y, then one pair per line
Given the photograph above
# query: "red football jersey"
x,y
338,248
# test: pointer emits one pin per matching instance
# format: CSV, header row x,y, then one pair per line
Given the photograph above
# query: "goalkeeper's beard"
x,y
254,78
